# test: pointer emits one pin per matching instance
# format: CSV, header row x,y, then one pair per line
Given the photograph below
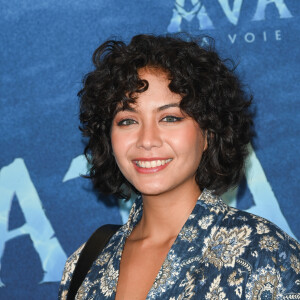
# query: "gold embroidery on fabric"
x,y
262,228
235,279
265,282
70,265
291,296
295,264
108,283
215,291
189,233
215,204
239,291
206,221
245,264
269,243
280,235
103,259
224,246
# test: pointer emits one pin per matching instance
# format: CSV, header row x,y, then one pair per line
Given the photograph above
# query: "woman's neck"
x,y
165,214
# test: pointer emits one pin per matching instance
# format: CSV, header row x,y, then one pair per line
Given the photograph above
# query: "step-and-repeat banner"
x,y
46,209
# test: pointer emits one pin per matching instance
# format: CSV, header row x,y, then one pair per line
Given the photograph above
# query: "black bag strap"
x,y
91,250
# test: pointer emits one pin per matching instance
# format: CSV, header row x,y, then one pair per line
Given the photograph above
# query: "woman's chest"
x,y
149,275
139,267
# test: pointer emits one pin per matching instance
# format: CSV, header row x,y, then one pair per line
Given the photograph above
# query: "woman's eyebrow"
x,y
124,109
167,106
132,109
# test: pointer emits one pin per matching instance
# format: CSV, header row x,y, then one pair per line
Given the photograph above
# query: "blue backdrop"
x,y
46,209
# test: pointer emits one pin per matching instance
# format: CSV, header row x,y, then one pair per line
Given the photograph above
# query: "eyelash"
x,y
122,122
175,119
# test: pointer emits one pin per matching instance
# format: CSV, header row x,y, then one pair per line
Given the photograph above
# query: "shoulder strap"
x,y
89,253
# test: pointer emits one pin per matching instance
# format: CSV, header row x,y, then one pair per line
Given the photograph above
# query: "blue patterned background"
x,y
46,209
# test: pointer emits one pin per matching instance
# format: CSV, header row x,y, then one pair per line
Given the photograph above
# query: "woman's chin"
x,y
152,191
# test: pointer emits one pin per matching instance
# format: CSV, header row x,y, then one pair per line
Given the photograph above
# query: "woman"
x,y
168,120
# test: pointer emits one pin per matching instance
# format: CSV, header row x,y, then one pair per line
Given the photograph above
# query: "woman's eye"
x,y
171,119
126,122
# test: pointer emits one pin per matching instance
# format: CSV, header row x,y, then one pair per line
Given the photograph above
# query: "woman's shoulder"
x,y
265,241
99,237
68,271
259,229
260,249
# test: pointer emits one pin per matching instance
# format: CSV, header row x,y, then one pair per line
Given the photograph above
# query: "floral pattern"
x,y
215,291
235,278
167,275
265,283
220,253
295,264
103,259
205,222
189,234
70,266
262,228
269,243
108,283
223,246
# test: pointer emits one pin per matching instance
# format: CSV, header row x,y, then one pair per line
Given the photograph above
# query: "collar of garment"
x,y
208,206
185,253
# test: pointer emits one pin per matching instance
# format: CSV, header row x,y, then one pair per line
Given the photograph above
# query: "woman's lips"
x,y
160,164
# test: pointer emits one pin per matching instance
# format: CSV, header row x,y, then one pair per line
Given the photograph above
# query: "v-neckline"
x,y
136,220
186,251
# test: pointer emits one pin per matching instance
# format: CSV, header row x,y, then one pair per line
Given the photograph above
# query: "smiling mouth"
x,y
146,164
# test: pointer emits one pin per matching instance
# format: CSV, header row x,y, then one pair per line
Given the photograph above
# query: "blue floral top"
x,y
220,253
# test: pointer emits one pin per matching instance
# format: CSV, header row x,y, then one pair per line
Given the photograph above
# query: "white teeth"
x,y
152,163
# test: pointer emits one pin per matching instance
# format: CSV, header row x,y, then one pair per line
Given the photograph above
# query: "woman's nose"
x,y
149,136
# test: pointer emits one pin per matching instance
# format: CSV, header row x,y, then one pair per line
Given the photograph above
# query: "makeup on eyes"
x,y
169,113
128,121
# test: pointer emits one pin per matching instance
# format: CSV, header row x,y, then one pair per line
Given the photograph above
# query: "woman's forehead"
x,y
154,70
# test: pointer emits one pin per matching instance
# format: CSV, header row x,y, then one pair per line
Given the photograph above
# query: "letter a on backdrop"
x,y
15,180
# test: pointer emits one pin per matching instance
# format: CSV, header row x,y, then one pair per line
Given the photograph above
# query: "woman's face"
x,y
156,146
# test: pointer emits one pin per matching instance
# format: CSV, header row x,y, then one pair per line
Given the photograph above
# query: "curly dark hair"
x,y
211,94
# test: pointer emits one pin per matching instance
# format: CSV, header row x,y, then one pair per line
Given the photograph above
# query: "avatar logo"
x,y
232,14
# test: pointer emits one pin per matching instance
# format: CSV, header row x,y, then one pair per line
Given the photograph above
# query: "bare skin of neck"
x,y
164,215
